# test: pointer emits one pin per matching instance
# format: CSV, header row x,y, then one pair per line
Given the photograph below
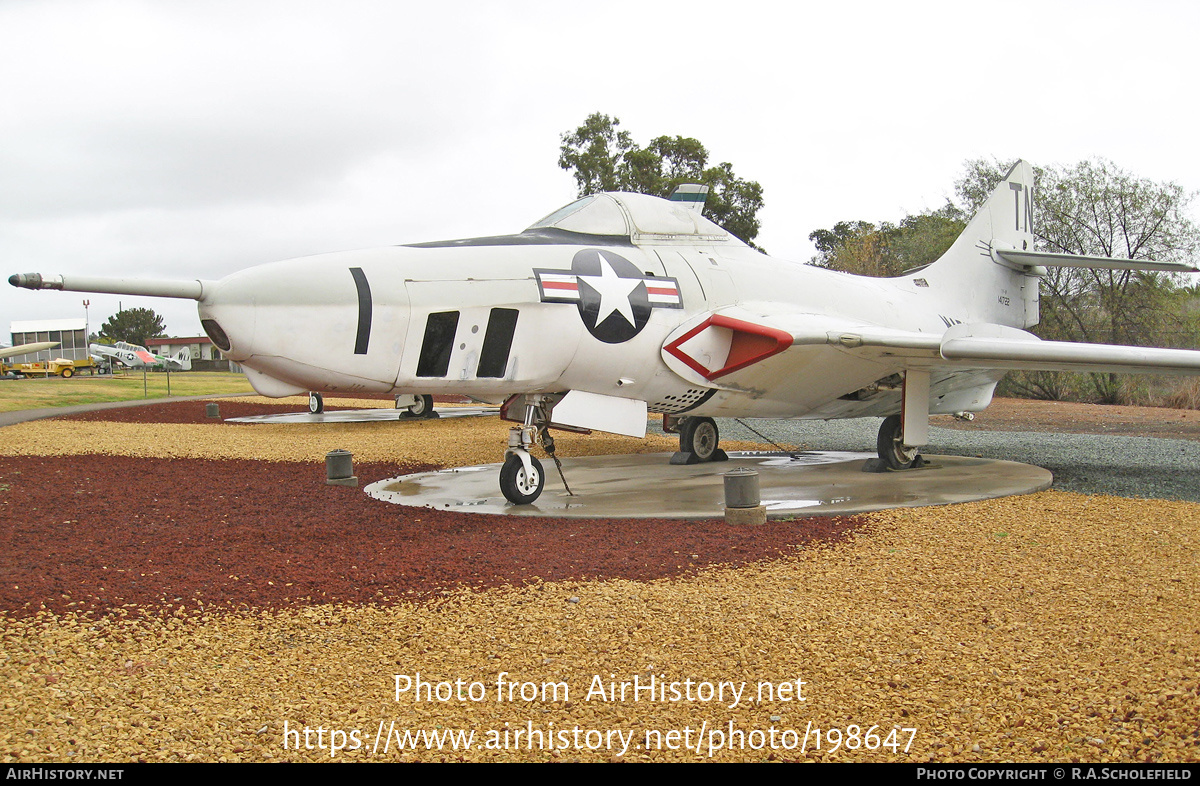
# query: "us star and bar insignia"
x,y
614,297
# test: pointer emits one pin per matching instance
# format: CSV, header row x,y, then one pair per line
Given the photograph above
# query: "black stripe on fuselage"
x,y
364,311
532,237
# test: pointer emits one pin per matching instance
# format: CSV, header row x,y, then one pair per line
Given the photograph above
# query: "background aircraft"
x,y
622,304
135,356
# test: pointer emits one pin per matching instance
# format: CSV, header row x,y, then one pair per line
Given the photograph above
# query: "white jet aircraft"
x,y
137,356
622,304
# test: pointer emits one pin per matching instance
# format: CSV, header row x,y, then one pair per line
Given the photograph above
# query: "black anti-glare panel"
x,y
439,341
497,341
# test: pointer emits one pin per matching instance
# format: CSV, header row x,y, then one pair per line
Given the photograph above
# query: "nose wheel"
x,y
521,478
316,403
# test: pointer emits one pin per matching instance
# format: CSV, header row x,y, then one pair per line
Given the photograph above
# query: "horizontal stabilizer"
x,y
1047,259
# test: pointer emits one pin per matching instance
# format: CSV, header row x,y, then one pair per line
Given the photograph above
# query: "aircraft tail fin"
x,y
978,284
184,358
992,272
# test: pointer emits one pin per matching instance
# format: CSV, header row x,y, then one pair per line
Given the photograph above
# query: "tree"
x,y
602,158
595,154
861,248
1092,209
134,325
1097,209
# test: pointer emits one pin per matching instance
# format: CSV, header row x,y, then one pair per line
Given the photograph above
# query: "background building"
x,y
70,333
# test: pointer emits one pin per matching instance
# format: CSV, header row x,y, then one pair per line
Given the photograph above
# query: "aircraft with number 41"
x,y
622,304
137,356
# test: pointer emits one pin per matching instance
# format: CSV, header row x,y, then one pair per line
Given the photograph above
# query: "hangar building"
x,y
70,333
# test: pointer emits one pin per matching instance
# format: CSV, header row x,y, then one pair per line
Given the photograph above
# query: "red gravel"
x,y
98,532
184,412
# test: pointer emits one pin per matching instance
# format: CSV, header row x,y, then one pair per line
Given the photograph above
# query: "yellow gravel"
x,y
1051,627
450,442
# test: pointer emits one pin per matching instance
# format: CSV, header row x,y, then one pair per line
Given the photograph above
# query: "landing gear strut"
x,y
890,445
521,477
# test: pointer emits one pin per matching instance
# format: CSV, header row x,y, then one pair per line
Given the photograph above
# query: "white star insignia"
x,y
614,292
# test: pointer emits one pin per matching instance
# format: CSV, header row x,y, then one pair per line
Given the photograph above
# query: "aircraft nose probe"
x,y
150,287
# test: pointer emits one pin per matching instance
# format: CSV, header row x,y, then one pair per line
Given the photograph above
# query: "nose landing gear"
x,y
521,477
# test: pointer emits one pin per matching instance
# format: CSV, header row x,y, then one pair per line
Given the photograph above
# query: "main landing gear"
x,y
521,477
316,403
893,453
420,406
698,440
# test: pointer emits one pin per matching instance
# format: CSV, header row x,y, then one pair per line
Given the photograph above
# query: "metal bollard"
x,y
339,468
213,410
742,497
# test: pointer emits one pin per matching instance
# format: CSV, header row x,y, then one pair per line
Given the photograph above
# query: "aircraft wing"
x,y
996,347
735,347
984,345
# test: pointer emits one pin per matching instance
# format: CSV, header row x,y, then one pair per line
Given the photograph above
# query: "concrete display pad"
x,y
647,486
364,415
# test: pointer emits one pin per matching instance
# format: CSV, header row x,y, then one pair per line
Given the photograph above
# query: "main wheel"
x,y
316,404
422,408
890,445
68,372
699,436
518,486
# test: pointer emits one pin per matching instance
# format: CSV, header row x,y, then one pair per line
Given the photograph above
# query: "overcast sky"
x,y
192,139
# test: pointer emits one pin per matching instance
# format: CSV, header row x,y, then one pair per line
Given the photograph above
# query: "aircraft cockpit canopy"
x,y
636,216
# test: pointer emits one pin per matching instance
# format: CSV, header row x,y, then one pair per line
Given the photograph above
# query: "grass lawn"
x,y
18,394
